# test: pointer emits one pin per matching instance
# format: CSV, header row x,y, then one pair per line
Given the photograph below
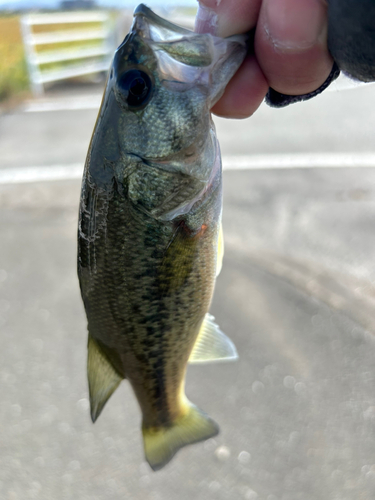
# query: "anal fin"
x,y
102,377
212,344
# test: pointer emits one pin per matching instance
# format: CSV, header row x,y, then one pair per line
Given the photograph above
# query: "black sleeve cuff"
x,y
277,100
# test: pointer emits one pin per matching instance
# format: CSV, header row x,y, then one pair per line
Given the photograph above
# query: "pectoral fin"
x,y
212,344
102,376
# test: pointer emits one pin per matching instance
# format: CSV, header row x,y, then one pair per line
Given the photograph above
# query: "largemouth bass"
x,y
149,239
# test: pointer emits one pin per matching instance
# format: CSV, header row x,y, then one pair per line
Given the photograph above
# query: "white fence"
x,y
77,61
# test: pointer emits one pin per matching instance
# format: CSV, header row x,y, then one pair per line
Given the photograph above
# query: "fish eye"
x,y
136,86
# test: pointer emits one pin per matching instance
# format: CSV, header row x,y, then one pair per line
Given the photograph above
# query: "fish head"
x,y
165,79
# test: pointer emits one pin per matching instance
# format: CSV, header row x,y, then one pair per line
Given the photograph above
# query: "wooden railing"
x,y
77,60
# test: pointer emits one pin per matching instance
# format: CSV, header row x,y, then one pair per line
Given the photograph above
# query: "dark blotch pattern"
x,y
146,285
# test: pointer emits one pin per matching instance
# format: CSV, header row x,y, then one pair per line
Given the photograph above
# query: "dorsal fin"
x,y
103,378
212,344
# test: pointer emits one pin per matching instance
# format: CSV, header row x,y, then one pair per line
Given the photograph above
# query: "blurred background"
x,y
296,293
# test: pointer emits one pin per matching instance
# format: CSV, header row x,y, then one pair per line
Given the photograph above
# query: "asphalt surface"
x,y
296,295
334,122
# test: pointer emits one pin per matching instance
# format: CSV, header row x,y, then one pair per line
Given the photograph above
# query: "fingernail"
x,y
294,25
205,20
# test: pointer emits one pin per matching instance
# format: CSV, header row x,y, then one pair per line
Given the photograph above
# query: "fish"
x,y
150,243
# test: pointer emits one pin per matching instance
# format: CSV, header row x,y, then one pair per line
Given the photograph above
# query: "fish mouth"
x,y
185,59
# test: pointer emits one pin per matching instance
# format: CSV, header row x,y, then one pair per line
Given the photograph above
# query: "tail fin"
x,y
162,443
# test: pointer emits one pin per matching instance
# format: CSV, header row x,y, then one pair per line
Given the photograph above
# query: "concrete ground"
x,y
296,295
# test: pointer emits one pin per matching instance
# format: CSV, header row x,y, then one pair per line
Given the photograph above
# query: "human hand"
x,y
290,48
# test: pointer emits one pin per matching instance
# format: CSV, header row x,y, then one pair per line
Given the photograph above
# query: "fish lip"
x,y
143,11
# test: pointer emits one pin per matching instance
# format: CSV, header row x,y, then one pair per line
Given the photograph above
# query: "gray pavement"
x,y
333,122
296,294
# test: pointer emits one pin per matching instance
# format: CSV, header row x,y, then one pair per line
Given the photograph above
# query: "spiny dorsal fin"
x,y
212,344
103,378
220,250
162,443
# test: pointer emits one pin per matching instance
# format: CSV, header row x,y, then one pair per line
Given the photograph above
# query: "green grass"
x,y
14,81
13,71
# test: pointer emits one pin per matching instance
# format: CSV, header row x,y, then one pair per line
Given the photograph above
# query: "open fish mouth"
x,y
185,58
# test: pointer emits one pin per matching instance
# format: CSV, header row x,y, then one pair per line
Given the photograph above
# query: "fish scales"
x,y
149,227
155,295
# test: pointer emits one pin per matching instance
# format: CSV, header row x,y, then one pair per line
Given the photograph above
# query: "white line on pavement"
x,y
35,174
299,160
249,162
61,104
